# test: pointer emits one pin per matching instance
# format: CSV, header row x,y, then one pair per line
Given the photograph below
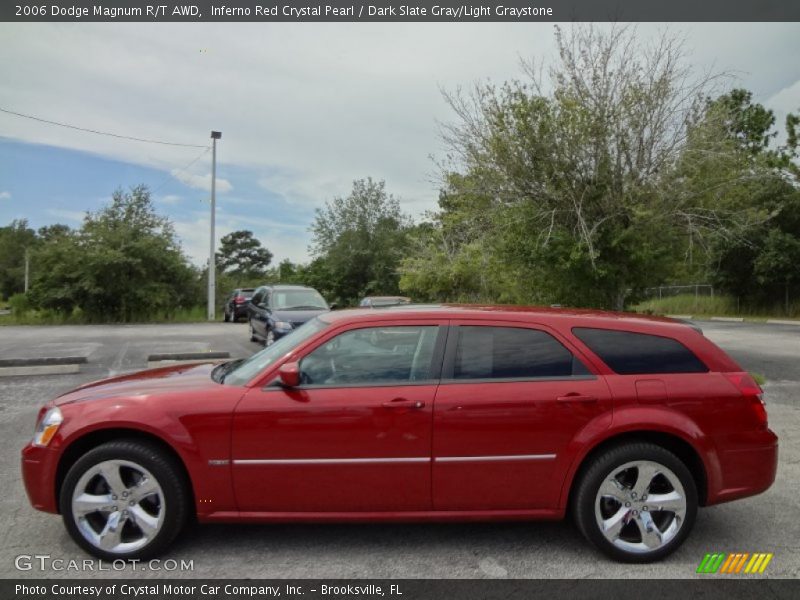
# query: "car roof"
x,y
287,286
534,314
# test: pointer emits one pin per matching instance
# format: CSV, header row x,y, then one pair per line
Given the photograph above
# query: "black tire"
x,y
253,337
169,475
585,500
226,317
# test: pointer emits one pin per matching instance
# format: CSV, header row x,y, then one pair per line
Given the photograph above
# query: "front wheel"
x,y
636,502
253,337
124,500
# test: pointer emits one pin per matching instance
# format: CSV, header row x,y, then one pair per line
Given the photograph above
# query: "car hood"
x,y
296,316
142,383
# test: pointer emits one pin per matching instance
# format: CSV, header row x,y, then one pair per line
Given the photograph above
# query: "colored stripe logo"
x,y
735,563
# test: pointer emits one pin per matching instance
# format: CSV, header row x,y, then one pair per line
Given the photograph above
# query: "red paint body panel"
x,y
465,450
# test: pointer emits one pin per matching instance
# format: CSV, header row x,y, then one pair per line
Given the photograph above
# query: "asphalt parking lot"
x,y
765,523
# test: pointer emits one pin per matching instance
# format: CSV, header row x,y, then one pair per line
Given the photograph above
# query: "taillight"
x,y
240,300
745,383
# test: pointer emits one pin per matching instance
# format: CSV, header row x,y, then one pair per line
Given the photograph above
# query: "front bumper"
x,y
39,466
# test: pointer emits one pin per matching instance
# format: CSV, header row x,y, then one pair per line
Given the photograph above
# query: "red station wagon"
x,y
415,413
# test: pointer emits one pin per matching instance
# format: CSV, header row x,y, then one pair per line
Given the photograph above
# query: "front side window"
x,y
629,353
373,355
258,298
512,353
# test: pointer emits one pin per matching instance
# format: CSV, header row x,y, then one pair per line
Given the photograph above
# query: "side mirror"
x,y
290,374
333,306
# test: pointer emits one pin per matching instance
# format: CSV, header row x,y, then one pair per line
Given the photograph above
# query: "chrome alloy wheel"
x,y
118,506
640,506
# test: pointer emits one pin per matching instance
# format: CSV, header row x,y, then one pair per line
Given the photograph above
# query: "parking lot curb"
x,y
729,319
782,322
184,358
684,317
49,365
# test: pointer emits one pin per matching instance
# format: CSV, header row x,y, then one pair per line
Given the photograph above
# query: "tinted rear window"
x,y
511,353
629,353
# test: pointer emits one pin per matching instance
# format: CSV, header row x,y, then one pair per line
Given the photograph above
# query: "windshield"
x,y
250,367
298,300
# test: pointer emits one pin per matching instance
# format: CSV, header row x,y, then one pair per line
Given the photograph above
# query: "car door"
x,y
259,312
512,398
354,436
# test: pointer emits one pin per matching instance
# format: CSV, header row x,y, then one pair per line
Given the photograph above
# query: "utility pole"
x,y
212,262
27,269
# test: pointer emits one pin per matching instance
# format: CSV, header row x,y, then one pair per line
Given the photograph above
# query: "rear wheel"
x,y
124,500
636,502
226,316
253,337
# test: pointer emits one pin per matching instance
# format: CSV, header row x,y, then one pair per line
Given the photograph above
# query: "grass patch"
x,y
717,306
195,314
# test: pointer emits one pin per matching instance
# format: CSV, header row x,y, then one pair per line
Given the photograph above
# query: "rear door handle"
x,y
404,403
577,398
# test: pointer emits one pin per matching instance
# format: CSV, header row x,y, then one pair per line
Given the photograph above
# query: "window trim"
x,y
448,369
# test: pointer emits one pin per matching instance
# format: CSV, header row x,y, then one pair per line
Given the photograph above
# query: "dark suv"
x,y
275,310
235,307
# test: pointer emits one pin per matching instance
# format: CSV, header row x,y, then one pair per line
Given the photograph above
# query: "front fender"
x,y
200,439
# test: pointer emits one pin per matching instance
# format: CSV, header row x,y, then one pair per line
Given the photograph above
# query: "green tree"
x,y
358,242
15,239
123,264
242,256
567,183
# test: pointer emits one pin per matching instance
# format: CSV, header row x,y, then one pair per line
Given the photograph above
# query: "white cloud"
x,y
315,104
5,195
201,182
170,199
283,240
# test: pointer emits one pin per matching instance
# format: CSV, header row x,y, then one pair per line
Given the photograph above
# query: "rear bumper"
x,y
747,468
39,475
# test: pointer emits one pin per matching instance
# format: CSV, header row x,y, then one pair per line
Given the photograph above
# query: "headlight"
x,y
46,428
284,325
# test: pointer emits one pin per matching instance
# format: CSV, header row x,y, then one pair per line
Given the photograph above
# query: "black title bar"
x,y
402,11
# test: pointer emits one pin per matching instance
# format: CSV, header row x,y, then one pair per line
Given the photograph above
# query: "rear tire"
x,y
636,502
226,317
124,500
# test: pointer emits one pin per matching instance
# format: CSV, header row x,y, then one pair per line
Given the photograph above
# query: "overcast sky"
x,y
304,109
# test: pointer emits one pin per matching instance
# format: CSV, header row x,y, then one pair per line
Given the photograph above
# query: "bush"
x,y
19,303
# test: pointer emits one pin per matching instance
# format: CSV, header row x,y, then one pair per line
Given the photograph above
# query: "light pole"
x,y
212,263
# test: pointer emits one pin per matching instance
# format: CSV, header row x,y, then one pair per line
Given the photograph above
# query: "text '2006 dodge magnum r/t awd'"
x,y
415,413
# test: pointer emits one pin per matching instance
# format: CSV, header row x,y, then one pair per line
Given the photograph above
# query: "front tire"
x,y
124,500
253,337
636,502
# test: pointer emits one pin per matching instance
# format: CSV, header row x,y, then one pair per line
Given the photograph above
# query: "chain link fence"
x,y
667,291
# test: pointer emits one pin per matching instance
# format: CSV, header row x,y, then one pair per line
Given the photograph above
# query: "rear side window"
x,y
629,353
511,353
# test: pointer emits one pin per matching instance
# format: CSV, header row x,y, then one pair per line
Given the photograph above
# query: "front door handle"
x,y
404,403
576,398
